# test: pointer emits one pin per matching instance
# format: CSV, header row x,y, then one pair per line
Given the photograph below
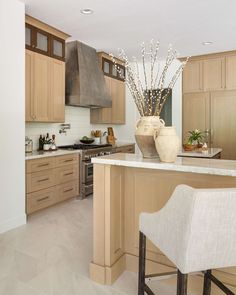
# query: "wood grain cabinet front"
x,y
66,173
51,180
67,190
40,200
45,88
40,180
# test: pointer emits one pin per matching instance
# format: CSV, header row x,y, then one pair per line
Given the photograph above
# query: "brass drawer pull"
x,y
69,160
44,179
68,190
70,173
43,199
43,165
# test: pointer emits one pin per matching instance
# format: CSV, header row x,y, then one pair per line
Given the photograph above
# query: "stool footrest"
x,y
219,284
163,274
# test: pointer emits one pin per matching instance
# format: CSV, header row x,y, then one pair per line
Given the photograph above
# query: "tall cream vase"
x,y
146,127
167,144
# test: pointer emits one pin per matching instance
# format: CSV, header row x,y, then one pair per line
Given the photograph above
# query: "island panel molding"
x,y
121,192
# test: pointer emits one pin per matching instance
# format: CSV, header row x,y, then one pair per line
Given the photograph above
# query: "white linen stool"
x,y
196,230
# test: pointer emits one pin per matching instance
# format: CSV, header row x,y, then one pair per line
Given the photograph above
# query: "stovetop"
x,y
84,146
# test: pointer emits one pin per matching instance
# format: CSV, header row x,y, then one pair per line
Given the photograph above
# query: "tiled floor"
x,y
51,254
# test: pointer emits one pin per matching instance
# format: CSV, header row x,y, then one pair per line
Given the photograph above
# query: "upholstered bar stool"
x,y
196,230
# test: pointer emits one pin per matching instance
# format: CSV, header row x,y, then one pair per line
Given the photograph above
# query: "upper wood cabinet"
x,y
210,73
192,77
44,39
44,72
45,88
214,73
195,112
231,72
116,89
223,122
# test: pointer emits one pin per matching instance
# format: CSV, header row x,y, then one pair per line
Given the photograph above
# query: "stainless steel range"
x,y
88,151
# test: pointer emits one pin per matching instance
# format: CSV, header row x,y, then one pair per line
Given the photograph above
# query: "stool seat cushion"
x,y
196,229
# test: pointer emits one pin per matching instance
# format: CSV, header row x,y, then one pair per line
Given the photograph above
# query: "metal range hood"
x,y
85,83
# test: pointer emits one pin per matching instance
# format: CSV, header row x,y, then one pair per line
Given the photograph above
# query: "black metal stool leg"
x,y
142,257
207,283
182,283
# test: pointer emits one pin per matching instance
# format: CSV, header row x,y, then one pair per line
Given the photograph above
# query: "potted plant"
x,y
194,140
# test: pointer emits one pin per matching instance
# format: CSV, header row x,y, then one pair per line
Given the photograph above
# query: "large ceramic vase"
x,y
146,127
167,144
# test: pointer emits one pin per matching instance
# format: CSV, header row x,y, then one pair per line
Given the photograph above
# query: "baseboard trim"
x,y
12,223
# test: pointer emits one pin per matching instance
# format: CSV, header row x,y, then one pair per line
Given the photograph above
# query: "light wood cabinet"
x,y
57,91
214,73
213,107
192,77
29,68
195,112
231,72
223,122
40,79
45,88
51,180
116,89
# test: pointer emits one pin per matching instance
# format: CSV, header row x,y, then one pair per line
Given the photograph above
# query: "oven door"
x,y
88,172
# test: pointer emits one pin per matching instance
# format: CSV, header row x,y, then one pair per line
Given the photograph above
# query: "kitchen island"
x,y
127,184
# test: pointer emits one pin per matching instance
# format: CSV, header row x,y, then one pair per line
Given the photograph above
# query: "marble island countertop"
x,y
210,153
182,164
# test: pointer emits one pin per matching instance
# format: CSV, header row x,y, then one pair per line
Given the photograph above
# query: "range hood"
x,y
85,83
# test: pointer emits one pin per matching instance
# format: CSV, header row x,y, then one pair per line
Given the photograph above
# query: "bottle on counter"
x,y
53,144
41,141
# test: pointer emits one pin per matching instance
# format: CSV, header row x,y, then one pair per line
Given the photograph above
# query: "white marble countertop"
x,y
42,154
182,164
210,153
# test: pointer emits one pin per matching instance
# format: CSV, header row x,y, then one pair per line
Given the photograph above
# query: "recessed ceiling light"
x,y
207,43
86,11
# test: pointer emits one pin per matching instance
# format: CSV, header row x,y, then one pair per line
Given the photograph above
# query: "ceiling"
x,y
126,23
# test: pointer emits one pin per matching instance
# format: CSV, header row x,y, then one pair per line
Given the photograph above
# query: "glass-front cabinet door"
x,y
57,48
42,40
29,44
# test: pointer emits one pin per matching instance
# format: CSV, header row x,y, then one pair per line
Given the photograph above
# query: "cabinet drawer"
x,y
39,200
40,180
65,160
66,173
67,190
39,164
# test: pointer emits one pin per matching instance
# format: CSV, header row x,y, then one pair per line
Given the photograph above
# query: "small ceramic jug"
x,y
167,144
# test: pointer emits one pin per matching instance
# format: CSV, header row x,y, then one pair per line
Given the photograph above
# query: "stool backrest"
x,y
202,225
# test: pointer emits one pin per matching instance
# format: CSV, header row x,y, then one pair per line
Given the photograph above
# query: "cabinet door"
x,y
29,68
42,41
223,122
192,77
102,115
231,72
214,73
195,112
57,90
41,88
118,101
57,48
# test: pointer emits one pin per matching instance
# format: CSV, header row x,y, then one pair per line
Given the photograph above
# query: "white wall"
x,y
12,126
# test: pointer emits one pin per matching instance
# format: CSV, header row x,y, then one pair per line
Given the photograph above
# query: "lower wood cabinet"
x,y
51,180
